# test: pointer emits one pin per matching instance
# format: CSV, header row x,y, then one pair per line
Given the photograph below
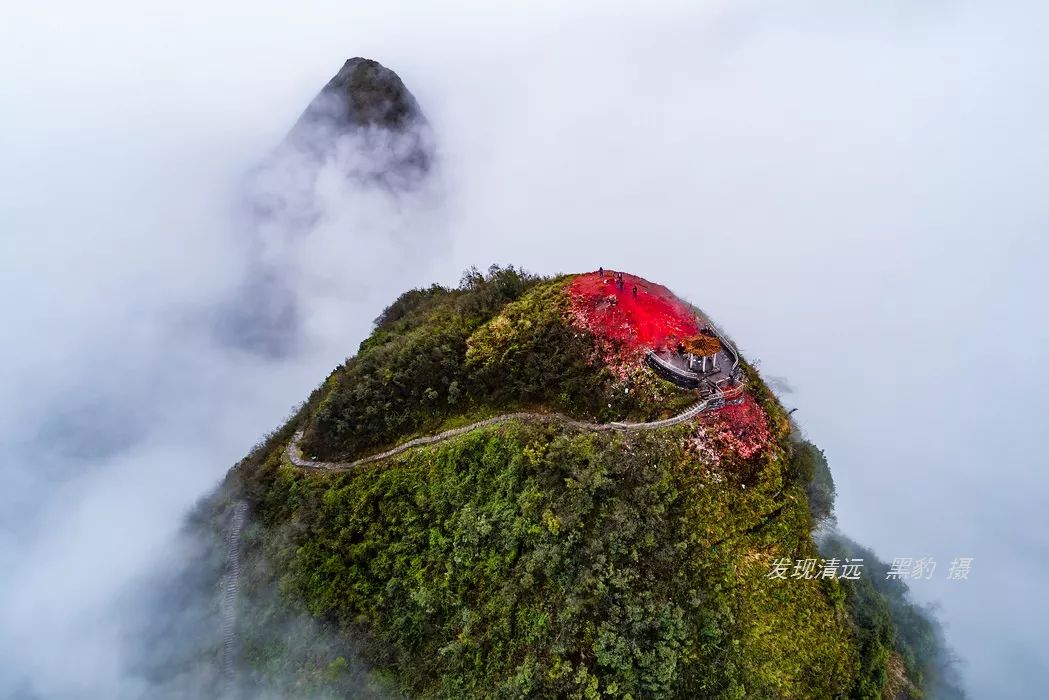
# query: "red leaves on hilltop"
x,y
627,325
741,428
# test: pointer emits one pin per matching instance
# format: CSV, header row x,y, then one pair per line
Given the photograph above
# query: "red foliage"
x,y
627,324
742,428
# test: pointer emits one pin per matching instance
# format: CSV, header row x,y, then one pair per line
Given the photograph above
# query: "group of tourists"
x,y
619,279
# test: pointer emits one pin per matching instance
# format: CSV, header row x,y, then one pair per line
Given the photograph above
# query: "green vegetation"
x,y
500,341
901,646
530,559
809,466
521,561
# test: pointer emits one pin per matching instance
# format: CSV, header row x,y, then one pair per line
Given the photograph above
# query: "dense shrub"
x,y
889,626
808,466
524,561
500,340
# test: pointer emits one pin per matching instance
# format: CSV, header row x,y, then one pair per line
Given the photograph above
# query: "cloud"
x,y
123,252
853,192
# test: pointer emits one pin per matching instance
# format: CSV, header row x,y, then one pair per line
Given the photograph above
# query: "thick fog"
x,y
856,193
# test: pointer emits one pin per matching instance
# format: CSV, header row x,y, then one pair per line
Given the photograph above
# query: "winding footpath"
x,y
294,453
229,599
719,399
240,510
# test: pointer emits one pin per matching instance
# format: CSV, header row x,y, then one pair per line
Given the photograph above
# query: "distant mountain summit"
x,y
369,104
361,145
363,93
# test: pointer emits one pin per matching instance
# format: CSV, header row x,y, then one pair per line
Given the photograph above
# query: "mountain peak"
x,y
363,93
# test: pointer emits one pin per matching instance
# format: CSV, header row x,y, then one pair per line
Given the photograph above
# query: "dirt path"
x,y
296,458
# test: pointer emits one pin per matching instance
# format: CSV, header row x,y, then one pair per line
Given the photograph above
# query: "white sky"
x,y
856,193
